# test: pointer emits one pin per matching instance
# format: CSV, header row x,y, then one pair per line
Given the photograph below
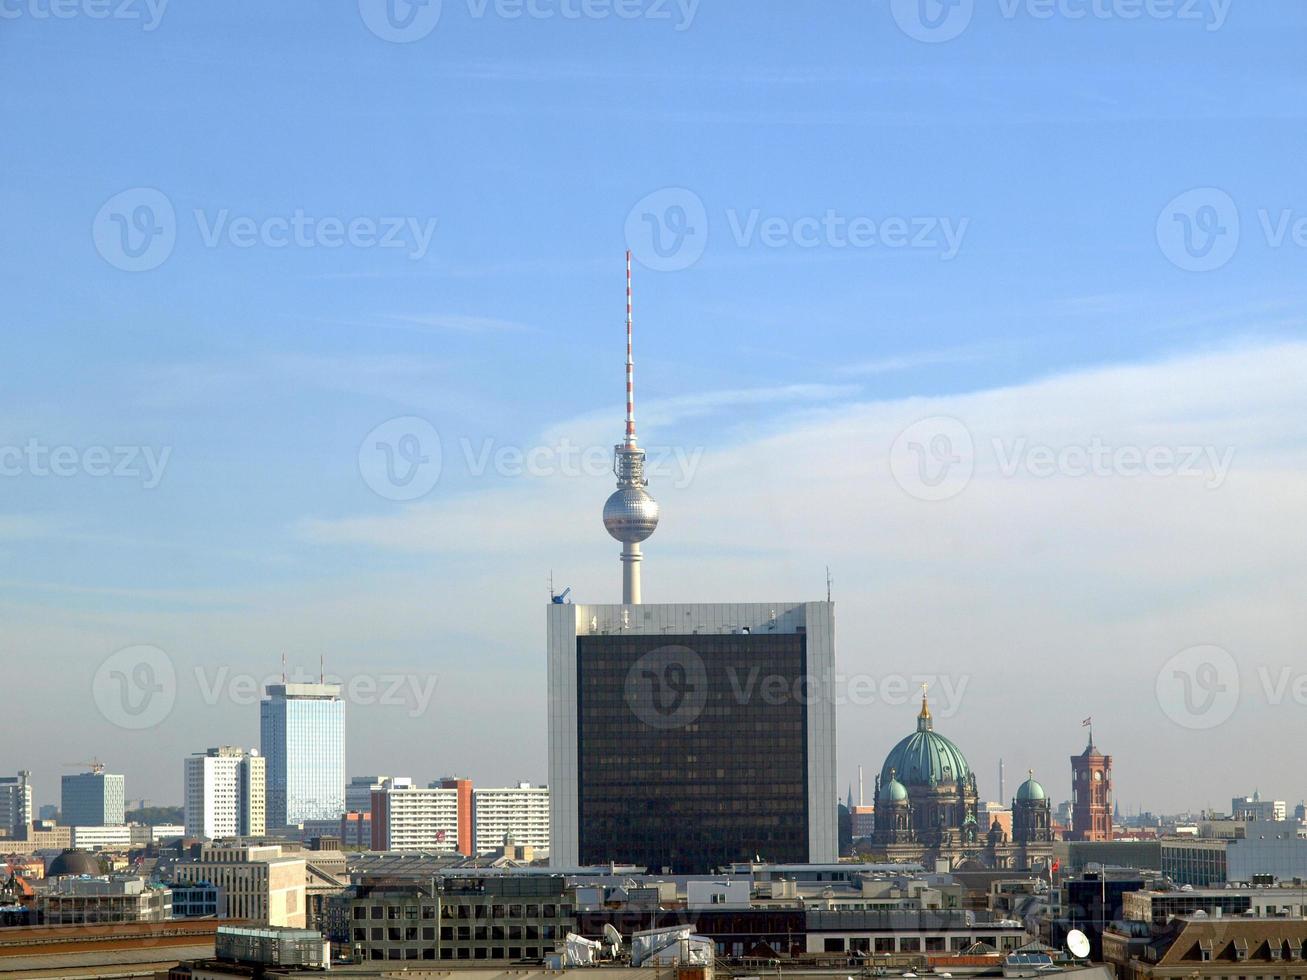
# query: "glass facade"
x,y
93,799
302,738
692,750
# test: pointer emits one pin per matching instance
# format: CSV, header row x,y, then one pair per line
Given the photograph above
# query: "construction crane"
x,y
95,765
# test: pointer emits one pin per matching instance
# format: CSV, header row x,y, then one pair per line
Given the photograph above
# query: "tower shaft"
x,y
631,559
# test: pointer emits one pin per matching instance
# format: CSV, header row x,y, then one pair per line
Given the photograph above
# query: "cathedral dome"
x,y
893,791
1030,790
925,758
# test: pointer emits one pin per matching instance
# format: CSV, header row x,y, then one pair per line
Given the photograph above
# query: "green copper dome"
x,y
893,791
1031,790
925,757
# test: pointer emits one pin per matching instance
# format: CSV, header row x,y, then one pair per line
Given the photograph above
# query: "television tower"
x,y
630,514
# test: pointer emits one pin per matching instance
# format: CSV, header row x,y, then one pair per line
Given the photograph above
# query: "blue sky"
x,y
1055,148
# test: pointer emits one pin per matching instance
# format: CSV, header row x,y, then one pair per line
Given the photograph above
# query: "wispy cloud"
x,y
461,322
916,359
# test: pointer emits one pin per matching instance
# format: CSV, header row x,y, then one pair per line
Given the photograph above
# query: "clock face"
x,y
1098,776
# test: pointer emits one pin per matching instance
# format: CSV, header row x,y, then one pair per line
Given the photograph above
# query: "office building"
x,y
92,799
414,818
279,948
77,901
1255,808
97,838
462,920
302,739
520,812
1273,850
15,803
224,793
197,900
258,882
689,736
358,794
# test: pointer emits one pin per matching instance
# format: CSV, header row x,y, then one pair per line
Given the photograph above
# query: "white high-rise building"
x,y
16,803
520,812
302,737
358,794
413,818
225,793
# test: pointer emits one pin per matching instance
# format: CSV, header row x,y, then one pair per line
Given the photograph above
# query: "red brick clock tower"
x,y
1091,794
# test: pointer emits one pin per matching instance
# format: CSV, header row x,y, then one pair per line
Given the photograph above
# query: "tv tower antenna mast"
x,y
630,514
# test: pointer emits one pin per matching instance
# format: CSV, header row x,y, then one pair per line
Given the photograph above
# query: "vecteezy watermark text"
x,y
668,230
136,230
935,458
35,458
936,21
406,21
403,459
669,687
136,687
148,12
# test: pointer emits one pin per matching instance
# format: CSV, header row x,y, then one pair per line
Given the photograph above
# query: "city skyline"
x,y
1052,456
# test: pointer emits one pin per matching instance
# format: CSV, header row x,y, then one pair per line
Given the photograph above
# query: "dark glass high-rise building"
x,y
688,737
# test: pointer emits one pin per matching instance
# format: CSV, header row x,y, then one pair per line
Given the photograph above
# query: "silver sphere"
x,y
631,515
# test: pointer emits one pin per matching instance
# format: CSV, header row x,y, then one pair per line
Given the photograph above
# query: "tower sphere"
x,y
630,514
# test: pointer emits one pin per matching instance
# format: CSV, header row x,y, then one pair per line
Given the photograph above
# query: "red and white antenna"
x,y
630,361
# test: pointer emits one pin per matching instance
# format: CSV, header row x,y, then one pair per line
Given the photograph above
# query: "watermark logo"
x,y
667,230
401,459
136,229
400,21
405,21
135,687
386,690
1198,688
932,21
933,458
1198,231
668,687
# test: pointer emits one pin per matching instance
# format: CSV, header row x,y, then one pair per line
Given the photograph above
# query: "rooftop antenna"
x,y
283,668
630,514
828,583
322,671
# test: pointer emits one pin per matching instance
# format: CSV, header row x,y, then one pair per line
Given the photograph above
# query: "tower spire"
x,y
630,514
630,362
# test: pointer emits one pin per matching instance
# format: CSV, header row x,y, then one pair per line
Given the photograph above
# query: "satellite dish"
x,y
1078,943
612,935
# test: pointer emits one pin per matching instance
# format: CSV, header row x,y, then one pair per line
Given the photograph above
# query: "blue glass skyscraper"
x,y
302,737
